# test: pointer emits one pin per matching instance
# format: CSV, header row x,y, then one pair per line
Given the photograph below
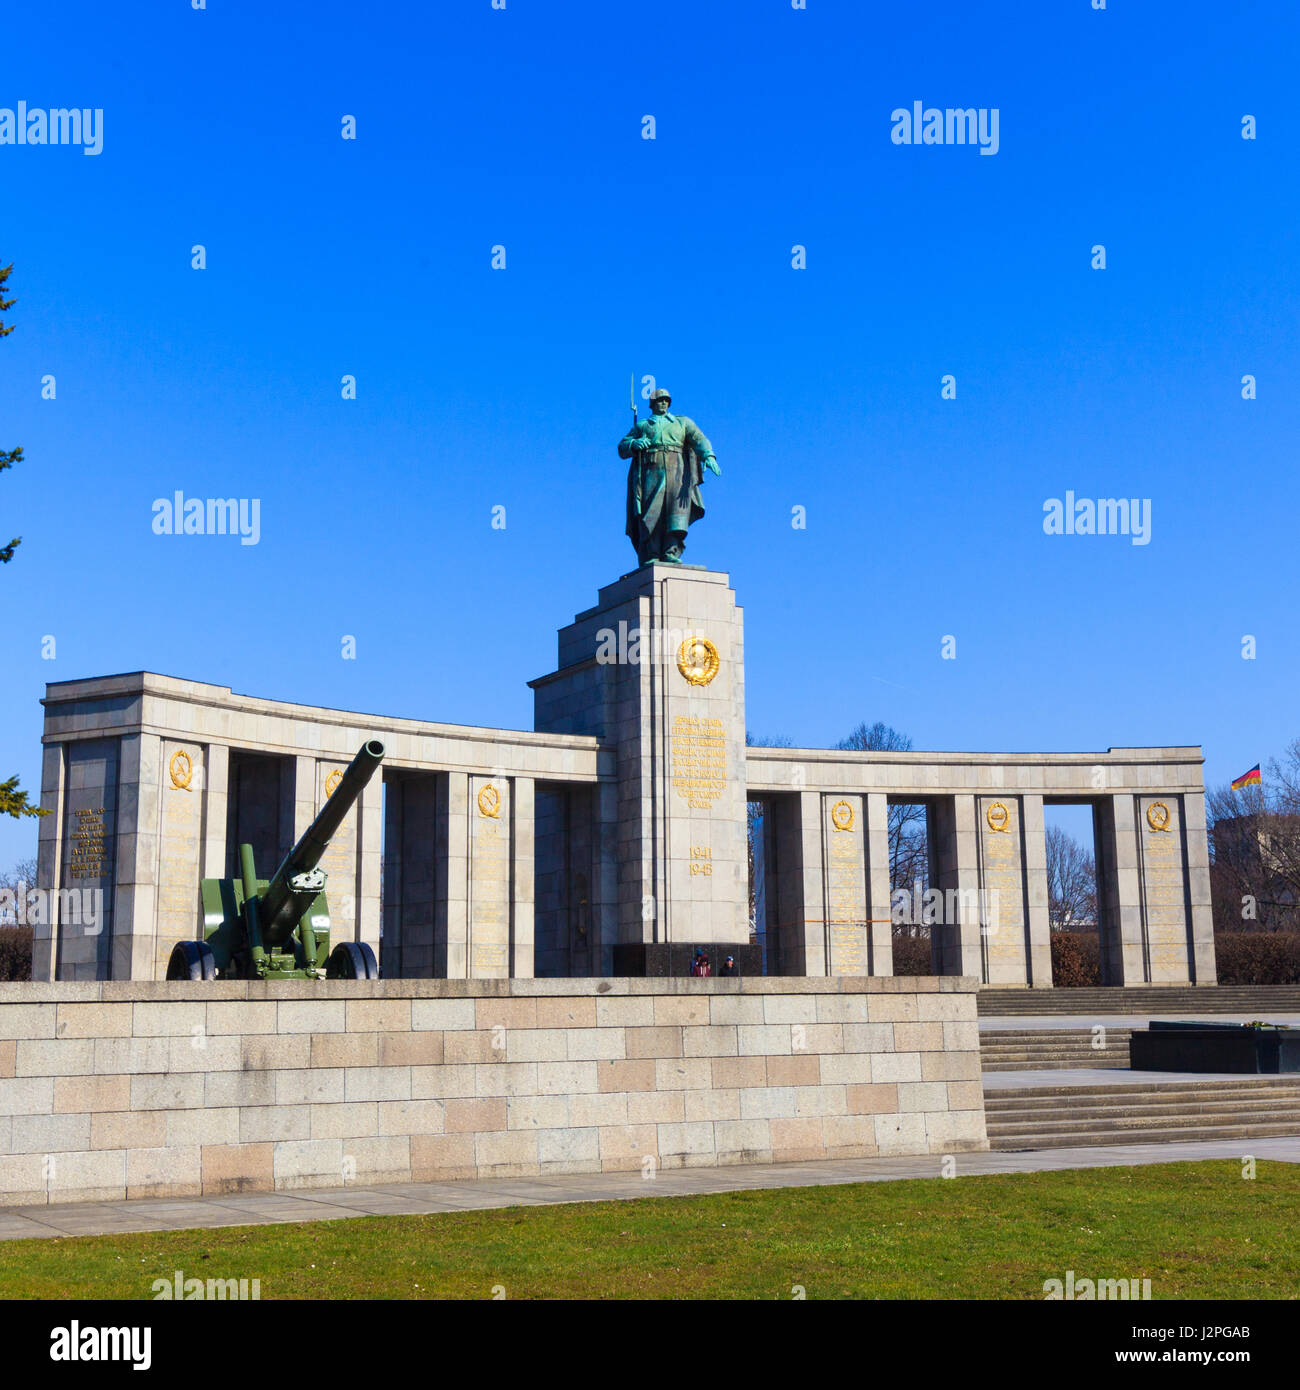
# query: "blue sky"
x,y
819,388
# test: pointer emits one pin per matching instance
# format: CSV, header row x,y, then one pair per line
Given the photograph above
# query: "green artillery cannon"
x,y
280,930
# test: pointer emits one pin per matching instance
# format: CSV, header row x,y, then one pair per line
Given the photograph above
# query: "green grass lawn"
x,y
1196,1230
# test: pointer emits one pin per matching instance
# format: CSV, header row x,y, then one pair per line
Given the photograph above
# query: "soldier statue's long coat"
x,y
677,493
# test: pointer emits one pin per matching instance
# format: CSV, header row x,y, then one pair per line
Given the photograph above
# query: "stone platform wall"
x,y
111,1090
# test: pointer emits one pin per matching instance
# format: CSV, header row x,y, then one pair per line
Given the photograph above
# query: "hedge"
x,y
912,955
15,953
1076,959
1257,957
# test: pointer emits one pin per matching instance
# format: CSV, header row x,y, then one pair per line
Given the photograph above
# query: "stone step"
x,y
1042,1030
1266,1009
1141,1115
1093,1138
1055,1037
1055,1117
1100,1063
1260,1000
1220,1101
999,1102
1028,1059
1051,1049
1231,1083
1036,1035
1149,1116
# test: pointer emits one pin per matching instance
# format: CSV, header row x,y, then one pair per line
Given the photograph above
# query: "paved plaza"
x,y
416,1199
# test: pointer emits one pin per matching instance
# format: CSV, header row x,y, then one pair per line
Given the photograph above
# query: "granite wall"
x,y
120,1089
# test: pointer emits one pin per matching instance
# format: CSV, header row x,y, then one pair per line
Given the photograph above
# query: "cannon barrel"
x,y
284,900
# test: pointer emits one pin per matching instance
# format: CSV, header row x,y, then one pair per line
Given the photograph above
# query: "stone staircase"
x,y
1059,1117
1051,1049
1258,1001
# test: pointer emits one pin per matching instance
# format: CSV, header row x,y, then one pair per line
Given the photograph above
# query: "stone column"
x,y
1167,919
452,911
846,940
1036,894
89,855
522,820
305,791
341,858
370,858
490,876
879,905
1000,825
802,886
49,859
1196,848
135,897
216,809
957,865
183,777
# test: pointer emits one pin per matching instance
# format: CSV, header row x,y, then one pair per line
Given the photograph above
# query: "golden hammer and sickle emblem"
x,y
331,782
489,801
181,768
1158,816
842,815
998,818
698,660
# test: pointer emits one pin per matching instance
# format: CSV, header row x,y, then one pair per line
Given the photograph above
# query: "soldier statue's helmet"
x,y
659,394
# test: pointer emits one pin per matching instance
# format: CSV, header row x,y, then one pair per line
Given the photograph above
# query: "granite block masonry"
x,y
611,838
113,1090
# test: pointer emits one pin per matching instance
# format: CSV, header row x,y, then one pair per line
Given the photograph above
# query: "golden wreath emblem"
x,y
698,660
1158,816
842,815
331,783
998,818
181,769
489,802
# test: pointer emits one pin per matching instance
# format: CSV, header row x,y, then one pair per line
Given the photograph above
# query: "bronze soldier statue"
x,y
663,481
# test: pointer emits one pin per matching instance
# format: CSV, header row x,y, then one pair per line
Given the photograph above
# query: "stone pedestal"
x,y
657,669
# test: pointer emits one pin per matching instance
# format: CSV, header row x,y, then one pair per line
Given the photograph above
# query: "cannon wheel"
x,y
192,960
352,960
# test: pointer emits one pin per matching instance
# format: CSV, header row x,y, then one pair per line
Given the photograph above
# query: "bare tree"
x,y
22,877
1255,850
1071,881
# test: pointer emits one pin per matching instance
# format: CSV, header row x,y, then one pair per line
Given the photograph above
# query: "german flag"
x,y
1247,779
